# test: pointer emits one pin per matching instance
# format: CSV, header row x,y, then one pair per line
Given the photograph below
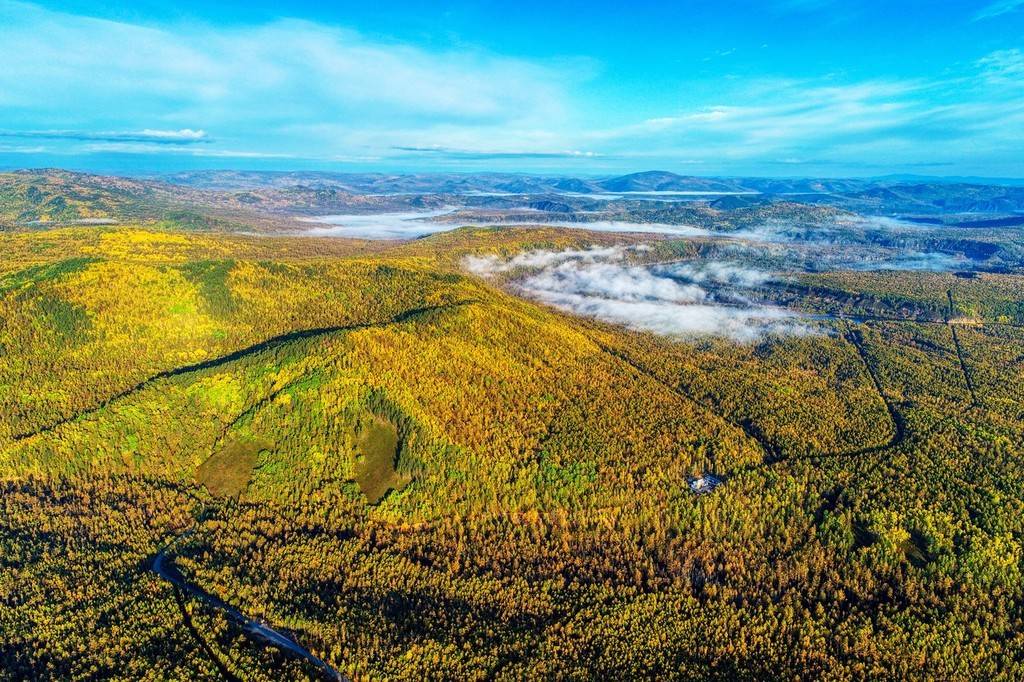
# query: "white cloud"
x,y
491,263
266,82
914,260
665,299
628,283
408,225
718,272
492,154
184,136
291,88
21,149
787,113
1003,67
745,325
157,148
998,8
909,122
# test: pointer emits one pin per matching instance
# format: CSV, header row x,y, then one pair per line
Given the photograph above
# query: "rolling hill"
x,y
411,469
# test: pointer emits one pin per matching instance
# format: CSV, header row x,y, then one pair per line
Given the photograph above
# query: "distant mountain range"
x,y
885,196
273,199
505,183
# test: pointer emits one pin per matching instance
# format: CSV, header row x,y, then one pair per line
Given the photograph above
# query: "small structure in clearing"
x,y
704,483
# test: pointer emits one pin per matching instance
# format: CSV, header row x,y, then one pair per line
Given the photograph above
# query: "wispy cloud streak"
x,y
485,155
998,9
184,136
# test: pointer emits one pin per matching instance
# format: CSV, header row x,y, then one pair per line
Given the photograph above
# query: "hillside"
x,y
277,202
415,470
61,197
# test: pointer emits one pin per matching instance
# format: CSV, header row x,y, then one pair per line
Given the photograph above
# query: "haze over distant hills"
x,y
265,198
405,341
641,182
499,426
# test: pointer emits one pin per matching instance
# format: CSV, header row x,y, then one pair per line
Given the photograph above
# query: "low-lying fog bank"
x,y
699,298
724,292
860,243
412,225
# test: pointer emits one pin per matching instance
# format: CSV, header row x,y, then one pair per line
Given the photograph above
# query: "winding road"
x,y
772,453
960,351
164,567
162,563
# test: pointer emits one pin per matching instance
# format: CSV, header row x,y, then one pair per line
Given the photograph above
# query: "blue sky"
x,y
778,87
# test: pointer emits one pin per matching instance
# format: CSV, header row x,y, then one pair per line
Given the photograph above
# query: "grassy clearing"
x,y
227,472
376,457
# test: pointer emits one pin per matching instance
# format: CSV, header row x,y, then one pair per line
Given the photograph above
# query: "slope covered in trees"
x,y
418,473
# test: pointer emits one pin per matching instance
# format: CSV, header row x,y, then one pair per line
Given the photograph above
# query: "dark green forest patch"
x,y
67,320
211,276
42,273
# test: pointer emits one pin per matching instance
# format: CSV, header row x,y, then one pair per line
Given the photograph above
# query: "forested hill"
x,y
413,469
270,202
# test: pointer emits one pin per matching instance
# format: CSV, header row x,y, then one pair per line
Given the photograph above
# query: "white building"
x,y
704,483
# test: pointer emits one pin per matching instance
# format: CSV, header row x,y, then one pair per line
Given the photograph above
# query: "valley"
x,y
535,341
473,447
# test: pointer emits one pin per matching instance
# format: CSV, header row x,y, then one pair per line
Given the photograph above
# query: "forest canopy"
x,y
415,468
